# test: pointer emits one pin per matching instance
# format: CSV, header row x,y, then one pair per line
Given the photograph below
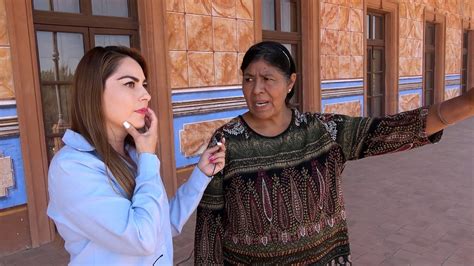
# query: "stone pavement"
x,y
411,208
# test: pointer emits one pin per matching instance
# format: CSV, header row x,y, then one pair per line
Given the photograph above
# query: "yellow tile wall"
x,y
207,40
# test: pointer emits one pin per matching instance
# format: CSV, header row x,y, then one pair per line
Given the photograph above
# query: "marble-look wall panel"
x,y
342,39
227,64
225,34
344,18
352,108
201,69
194,131
179,69
344,67
356,20
4,39
194,137
208,27
344,43
245,34
199,32
329,67
224,8
175,5
409,101
329,39
357,4
202,7
448,94
329,16
357,66
176,30
411,24
357,44
244,9
6,75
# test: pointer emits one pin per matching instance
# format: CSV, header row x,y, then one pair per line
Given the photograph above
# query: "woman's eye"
x,y
145,85
130,84
248,79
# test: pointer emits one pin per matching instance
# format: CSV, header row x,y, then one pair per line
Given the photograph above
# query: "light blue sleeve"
x,y
83,199
186,200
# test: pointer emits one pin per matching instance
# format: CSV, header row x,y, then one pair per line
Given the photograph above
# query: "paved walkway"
x,y
412,208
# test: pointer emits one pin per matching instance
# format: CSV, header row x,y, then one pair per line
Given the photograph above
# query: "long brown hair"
x,y
87,116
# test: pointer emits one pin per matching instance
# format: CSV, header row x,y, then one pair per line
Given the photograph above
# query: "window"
x,y
65,30
430,59
464,66
375,65
281,23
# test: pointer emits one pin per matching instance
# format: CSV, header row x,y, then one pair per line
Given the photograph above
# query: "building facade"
x,y
356,57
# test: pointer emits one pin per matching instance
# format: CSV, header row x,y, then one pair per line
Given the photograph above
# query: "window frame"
x,y
439,20
86,24
390,11
292,38
375,44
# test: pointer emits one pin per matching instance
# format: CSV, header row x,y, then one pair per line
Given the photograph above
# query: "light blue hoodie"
x,y
99,224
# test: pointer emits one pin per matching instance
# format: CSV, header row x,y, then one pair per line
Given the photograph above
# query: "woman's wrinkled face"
x,y
265,88
125,96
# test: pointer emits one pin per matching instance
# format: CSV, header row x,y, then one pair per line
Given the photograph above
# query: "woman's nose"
x,y
259,86
146,96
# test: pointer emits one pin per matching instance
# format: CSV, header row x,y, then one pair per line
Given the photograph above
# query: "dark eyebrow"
x,y
130,77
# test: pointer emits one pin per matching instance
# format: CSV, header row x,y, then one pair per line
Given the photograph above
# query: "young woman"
x,y
107,198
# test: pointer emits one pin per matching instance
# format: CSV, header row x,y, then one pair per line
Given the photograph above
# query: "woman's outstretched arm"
x,y
444,114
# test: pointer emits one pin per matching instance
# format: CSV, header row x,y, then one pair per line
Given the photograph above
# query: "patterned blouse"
x,y
279,199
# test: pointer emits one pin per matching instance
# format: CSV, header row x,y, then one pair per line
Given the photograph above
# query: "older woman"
x,y
278,199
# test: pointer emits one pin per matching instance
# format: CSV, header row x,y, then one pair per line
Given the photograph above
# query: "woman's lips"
x,y
142,111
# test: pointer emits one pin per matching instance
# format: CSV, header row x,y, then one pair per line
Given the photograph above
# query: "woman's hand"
x,y
213,159
146,141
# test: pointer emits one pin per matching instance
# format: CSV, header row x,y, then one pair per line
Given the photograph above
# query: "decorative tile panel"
x,y
352,108
202,7
357,44
225,34
6,76
195,137
344,43
329,16
6,175
245,34
356,19
344,71
200,69
357,66
244,9
179,69
357,4
199,32
449,94
175,5
224,8
176,31
226,68
409,102
329,39
343,18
